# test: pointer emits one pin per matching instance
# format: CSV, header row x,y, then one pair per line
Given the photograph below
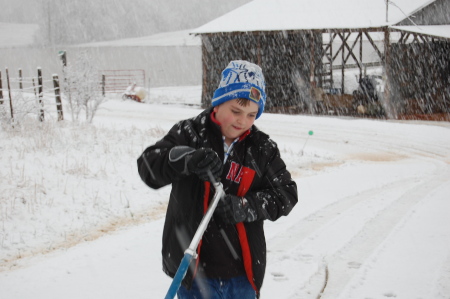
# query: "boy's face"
x,y
235,119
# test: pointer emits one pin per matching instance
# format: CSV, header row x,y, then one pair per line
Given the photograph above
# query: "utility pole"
x,y
387,6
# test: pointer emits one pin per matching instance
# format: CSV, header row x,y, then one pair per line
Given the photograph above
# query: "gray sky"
x,y
196,11
80,21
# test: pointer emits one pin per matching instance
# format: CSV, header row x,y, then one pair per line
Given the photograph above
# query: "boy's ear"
x,y
216,108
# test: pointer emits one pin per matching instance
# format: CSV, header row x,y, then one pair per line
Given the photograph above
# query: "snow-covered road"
x,y
372,219
382,208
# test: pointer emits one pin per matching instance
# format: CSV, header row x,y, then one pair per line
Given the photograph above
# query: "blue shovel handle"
x,y
179,276
191,252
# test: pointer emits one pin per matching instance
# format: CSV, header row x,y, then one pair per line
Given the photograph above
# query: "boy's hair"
x,y
243,102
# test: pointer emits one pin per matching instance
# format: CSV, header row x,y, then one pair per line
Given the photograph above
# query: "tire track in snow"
x,y
307,239
413,254
347,261
361,221
293,235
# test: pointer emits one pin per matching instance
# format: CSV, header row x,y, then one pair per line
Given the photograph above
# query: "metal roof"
x,y
431,30
274,15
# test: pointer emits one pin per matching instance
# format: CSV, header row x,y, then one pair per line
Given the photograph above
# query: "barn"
x,y
308,49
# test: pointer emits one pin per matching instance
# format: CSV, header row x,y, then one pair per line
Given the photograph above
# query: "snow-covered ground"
x,y
372,221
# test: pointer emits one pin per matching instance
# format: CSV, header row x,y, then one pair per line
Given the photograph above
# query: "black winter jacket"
x,y
254,170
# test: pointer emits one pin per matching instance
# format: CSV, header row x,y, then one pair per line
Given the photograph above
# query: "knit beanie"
x,y
241,79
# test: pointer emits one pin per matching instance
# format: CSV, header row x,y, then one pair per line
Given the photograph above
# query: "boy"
x,y
221,144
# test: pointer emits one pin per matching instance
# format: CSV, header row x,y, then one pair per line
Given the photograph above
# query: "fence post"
x,y
1,89
59,108
34,88
66,86
41,103
10,97
20,80
103,85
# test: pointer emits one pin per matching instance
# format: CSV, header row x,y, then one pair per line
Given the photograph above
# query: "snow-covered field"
x,y
372,221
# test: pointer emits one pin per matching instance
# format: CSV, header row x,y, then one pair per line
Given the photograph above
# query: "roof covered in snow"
x,y
272,15
165,39
431,30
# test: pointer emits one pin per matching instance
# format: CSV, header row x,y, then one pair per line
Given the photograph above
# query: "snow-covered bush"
x,y
24,105
82,87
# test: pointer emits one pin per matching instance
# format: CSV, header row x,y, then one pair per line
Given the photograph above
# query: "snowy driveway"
x,y
372,220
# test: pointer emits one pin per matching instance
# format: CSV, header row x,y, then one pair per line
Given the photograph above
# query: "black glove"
x,y
204,160
233,209
188,160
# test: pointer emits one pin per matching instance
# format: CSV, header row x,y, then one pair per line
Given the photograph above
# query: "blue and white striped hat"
x,y
241,79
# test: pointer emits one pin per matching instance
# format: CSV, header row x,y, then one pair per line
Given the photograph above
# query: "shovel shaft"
x,y
191,252
206,218
178,278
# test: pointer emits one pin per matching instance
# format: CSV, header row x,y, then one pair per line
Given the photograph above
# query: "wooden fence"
x,y
36,86
111,81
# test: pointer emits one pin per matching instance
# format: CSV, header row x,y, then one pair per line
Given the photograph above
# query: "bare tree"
x,y
82,87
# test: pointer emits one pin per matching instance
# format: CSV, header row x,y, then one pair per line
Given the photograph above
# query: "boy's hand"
x,y
203,160
187,160
233,209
